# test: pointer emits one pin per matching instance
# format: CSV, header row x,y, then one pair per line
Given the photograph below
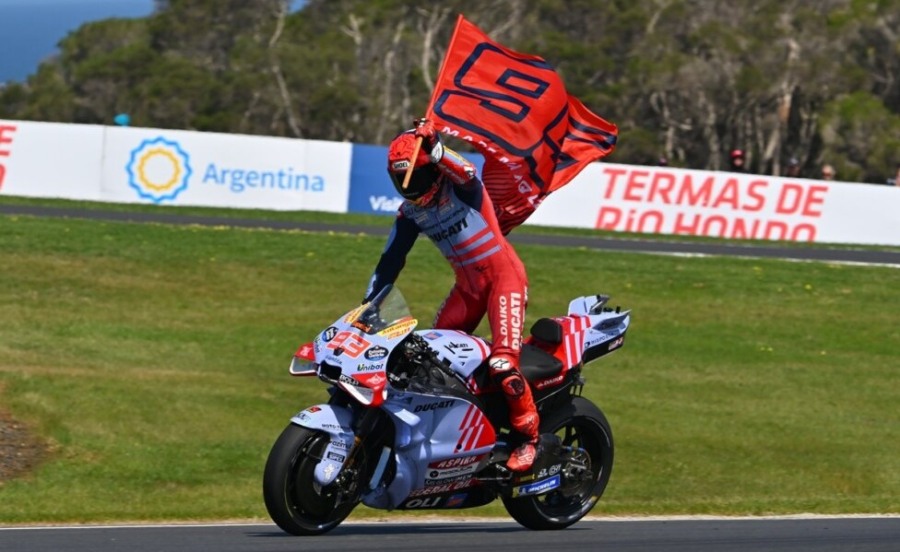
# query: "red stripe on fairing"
x,y
467,418
478,342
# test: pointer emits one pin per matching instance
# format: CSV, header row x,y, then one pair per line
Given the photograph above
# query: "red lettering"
x,y
804,229
700,196
608,218
613,174
661,185
740,229
814,197
776,231
635,186
790,199
715,221
757,195
730,195
651,222
5,138
691,228
4,129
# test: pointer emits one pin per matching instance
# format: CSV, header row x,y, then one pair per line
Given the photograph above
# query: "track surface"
x,y
734,535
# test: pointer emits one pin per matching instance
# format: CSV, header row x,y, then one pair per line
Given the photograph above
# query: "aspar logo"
x,y
158,170
6,138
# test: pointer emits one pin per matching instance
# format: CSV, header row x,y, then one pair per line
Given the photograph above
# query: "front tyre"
x,y
579,424
296,503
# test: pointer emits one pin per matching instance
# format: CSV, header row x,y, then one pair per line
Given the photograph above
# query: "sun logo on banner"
x,y
158,169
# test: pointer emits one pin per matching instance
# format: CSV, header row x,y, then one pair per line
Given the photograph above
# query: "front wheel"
x,y
581,425
298,504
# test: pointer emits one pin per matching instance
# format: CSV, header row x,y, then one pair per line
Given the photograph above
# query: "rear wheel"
x,y
298,504
580,425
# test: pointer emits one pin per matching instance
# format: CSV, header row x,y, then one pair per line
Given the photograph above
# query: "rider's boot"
x,y
523,414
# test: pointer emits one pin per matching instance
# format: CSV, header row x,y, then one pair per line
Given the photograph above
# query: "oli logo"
x,y
158,169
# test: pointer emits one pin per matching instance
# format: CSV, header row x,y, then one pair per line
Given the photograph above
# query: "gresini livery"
x,y
414,422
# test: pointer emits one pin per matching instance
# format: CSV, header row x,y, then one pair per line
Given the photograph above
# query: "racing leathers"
x,y
490,278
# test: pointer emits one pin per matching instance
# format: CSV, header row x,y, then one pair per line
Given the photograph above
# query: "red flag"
x,y
515,110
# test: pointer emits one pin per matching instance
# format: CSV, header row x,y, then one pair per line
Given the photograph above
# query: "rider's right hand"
x,y
431,139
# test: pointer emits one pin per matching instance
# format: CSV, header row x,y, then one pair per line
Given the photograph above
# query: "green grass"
x,y
152,360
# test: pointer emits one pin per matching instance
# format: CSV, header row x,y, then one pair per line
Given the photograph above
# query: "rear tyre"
x,y
296,503
579,424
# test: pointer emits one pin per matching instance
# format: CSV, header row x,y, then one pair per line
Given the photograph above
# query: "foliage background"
x,y
686,79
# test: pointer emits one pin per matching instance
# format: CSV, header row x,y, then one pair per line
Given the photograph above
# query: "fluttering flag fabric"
x,y
514,109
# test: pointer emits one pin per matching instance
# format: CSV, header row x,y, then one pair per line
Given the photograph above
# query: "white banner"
x,y
50,160
170,167
663,200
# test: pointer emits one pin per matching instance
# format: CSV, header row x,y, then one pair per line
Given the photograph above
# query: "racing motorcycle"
x,y
414,421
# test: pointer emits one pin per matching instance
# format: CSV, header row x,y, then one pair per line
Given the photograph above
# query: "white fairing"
x,y
336,422
464,352
440,441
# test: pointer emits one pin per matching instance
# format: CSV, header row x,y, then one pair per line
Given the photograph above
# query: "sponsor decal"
x,y
549,381
376,353
423,502
511,320
442,480
158,169
434,406
239,179
369,367
336,457
455,462
305,352
329,334
452,230
432,336
537,487
314,409
385,204
456,500
443,488
617,343
399,329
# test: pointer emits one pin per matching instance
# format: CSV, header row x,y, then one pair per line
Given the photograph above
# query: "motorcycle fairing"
x,y
336,422
441,441
464,352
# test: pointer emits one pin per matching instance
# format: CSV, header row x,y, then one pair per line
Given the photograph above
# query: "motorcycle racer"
x,y
445,200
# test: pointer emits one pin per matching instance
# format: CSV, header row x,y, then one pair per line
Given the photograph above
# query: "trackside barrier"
x,y
170,167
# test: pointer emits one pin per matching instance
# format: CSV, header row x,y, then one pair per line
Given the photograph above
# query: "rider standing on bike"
x,y
445,200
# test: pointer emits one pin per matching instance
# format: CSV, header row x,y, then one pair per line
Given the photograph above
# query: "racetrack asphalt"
x,y
670,247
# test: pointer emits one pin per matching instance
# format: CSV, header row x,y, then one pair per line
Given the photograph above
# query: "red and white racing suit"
x,y
490,277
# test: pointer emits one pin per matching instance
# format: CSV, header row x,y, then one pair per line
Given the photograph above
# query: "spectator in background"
x,y
793,168
737,161
828,172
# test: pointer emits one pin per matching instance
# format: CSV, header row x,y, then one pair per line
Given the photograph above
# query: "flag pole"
x,y
430,110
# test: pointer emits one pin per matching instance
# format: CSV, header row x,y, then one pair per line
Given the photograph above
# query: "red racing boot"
x,y
523,414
